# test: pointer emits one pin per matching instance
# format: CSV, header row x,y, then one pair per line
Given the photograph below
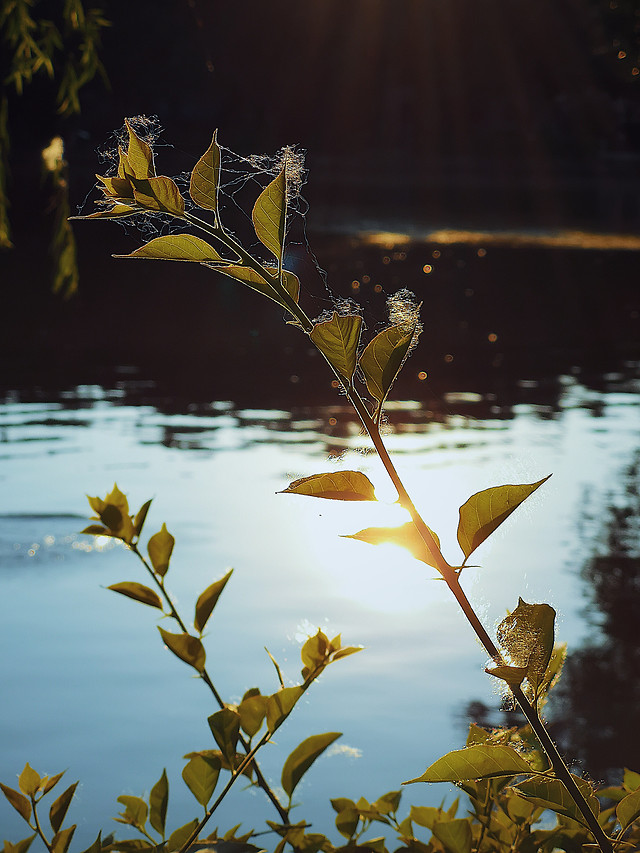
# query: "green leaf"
x,y
178,838
513,675
388,803
117,211
270,215
208,600
176,247
628,809
203,186
454,834
18,801
225,726
252,710
141,517
302,757
338,486
480,761
135,810
551,794
137,591
29,781
280,705
160,194
61,840
425,815
52,782
158,802
485,511
257,282
406,535
348,816
139,155
96,530
337,339
19,846
631,779
527,635
382,359
201,776
187,648
159,549
59,808
96,847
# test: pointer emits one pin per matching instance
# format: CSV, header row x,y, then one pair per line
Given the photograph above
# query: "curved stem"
x,y
38,828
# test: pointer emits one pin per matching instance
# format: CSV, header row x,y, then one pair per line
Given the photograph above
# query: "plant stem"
x,y
38,828
260,779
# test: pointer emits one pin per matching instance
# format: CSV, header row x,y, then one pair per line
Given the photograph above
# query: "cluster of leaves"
x,y
65,48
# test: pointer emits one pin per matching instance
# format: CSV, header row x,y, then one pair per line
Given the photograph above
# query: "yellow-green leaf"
x,y
302,757
135,810
406,535
338,486
180,836
139,155
59,808
551,794
29,780
203,186
628,809
187,648
61,840
280,705
486,510
176,247
270,215
160,547
480,761
337,339
138,592
511,674
20,803
201,776
208,600
225,727
21,846
52,782
382,359
161,194
118,211
252,710
527,635
141,517
454,834
251,278
158,802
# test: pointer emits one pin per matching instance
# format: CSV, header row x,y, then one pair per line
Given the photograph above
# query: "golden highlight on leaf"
x,y
406,535
337,339
527,636
270,215
177,247
256,282
475,762
339,486
383,358
203,186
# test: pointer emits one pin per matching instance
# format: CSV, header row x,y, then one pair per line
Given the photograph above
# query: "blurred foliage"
x,y
60,42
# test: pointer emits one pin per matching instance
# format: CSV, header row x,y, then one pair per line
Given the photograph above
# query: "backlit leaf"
x,y
52,782
302,757
552,794
337,339
382,359
141,517
425,815
486,510
339,486
160,547
208,600
29,781
225,726
117,211
61,840
59,808
257,282
405,535
161,194
511,674
139,155
135,810
280,705
180,836
628,809
527,635
475,762
270,215
176,247
454,834
20,803
631,779
201,776
158,802
19,846
187,648
137,591
252,712
203,186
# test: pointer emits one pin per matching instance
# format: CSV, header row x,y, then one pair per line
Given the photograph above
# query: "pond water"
x,y
87,684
